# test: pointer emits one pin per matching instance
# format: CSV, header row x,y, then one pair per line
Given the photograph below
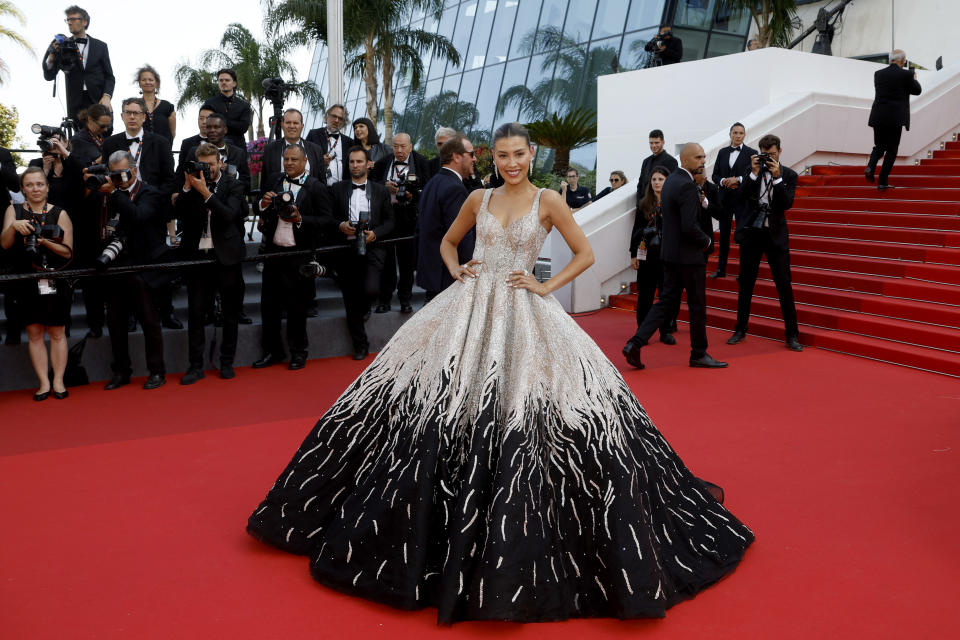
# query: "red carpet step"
x,y
875,274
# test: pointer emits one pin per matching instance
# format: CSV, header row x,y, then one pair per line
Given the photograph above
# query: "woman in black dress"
x,y
86,144
161,116
365,133
44,304
644,258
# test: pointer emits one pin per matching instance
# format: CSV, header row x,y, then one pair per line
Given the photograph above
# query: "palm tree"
x,y
774,19
443,109
9,9
380,49
563,134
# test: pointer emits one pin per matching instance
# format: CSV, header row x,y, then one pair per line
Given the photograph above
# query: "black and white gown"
x,y
492,462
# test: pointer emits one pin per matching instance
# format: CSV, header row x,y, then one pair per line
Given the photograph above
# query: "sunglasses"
x,y
614,179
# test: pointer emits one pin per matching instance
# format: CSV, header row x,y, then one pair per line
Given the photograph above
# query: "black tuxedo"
x,y
683,250
236,157
321,138
440,202
662,159
359,276
96,74
272,159
772,241
729,199
156,158
283,287
237,112
401,260
225,211
889,113
189,143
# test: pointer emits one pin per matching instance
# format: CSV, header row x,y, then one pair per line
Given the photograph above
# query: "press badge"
x,y
46,286
642,251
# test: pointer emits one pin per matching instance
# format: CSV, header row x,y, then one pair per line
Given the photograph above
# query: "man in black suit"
x,y
683,251
194,141
335,145
235,110
889,114
440,203
140,210
767,195
292,126
665,47
285,230
90,79
408,168
733,163
211,209
356,200
657,158
234,158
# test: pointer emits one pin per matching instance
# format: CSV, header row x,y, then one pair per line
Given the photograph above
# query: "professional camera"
x,y
654,45
97,175
46,132
114,244
52,232
196,168
405,182
313,269
362,225
275,89
651,236
764,158
763,210
283,204
66,57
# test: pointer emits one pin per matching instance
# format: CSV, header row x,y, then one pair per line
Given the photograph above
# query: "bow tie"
x,y
130,141
334,136
296,182
735,148
80,40
400,164
360,186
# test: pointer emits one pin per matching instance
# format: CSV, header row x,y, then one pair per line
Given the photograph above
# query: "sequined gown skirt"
x,y
491,462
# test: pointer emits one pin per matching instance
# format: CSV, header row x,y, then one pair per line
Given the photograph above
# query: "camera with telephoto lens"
x,y
406,182
66,57
313,269
763,210
275,89
114,244
197,168
52,232
361,225
46,132
283,204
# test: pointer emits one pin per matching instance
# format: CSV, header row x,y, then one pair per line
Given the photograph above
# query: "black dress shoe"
x,y
227,372
707,362
170,321
718,274
297,362
793,344
885,187
266,361
192,375
40,397
117,380
360,354
737,337
632,353
313,312
155,381
868,174
244,319
95,332
382,308
406,308
61,395
667,338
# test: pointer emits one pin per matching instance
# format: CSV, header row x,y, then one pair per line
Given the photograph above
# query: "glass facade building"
x,y
523,59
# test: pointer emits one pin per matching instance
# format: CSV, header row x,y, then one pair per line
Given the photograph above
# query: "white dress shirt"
x,y
206,238
765,188
135,147
335,167
359,201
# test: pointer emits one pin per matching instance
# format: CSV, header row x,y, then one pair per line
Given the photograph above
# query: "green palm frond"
x,y
563,134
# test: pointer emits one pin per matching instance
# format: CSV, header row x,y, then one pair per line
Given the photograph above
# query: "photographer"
x,y
403,172
292,125
294,214
361,204
767,195
85,63
39,236
96,122
665,47
211,209
334,144
64,175
234,158
235,110
137,212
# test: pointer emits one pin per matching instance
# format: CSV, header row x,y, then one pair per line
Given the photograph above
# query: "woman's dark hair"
x,y
30,170
510,130
146,69
93,112
649,201
372,136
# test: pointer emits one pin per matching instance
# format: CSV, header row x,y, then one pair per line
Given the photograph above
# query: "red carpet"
x,y
874,274
124,512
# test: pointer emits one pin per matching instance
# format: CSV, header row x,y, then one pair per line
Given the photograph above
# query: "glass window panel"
x,y
611,16
528,13
694,43
477,53
722,44
466,116
506,15
438,65
399,109
466,14
585,159
514,80
487,98
554,12
540,81
603,53
580,20
452,83
644,13
632,55
727,20
695,13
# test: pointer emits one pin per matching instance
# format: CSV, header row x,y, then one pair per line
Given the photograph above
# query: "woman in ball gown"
x,y
491,461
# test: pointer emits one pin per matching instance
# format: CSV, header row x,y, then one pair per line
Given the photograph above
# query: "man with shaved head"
x,y
403,172
889,114
683,250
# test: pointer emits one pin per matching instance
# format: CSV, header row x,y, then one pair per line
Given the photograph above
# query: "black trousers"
x,y
203,283
676,279
400,263
359,280
284,288
886,142
757,244
649,281
126,295
726,225
94,299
